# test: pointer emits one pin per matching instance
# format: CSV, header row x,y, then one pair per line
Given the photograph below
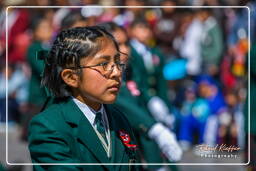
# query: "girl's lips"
x,y
115,87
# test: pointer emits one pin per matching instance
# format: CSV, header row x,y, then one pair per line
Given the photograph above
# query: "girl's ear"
x,y
70,78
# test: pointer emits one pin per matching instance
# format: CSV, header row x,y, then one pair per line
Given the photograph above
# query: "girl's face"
x,y
97,85
44,31
142,33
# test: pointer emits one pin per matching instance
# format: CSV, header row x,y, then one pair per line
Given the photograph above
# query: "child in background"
x,y
210,91
42,35
195,111
147,65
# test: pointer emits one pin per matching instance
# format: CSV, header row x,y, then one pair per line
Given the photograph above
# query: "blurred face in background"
x,y
122,40
206,90
43,31
231,99
168,3
203,15
141,32
134,3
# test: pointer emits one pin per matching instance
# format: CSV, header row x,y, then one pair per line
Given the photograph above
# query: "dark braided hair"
x,y
68,49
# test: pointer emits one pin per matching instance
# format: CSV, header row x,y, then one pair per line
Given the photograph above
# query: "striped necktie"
x,y
100,126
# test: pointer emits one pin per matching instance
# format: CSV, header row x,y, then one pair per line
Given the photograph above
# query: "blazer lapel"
x,y
118,149
85,132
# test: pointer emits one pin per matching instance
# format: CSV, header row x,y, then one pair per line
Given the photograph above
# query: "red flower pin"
x,y
125,138
132,87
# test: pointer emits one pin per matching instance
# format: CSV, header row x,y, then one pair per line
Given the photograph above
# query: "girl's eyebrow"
x,y
108,57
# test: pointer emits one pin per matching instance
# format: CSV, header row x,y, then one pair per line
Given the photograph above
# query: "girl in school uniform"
x,y
83,72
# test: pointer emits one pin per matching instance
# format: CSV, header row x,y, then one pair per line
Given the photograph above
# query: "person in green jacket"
x,y
42,34
147,66
152,136
212,42
83,72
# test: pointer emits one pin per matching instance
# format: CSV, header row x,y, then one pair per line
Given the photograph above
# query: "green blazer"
x,y
212,45
141,121
62,134
149,83
37,94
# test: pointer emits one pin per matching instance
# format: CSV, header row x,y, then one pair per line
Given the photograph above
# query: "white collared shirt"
x,y
145,54
90,114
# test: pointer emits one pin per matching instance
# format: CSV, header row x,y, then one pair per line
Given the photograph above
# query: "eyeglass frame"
x,y
120,66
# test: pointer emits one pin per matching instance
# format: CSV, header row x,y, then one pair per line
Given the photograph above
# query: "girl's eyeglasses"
x,y
107,66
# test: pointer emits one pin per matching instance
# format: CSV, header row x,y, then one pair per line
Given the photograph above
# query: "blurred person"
x,y
209,89
130,14
17,92
202,45
190,46
83,72
233,66
58,17
42,35
18,39
147,64
61,13
148,131
229,130
237,42
109,14
167,27
92,14
227,78
194,114
73,19
211,42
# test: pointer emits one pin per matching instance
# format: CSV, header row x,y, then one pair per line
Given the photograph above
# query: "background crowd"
x,y
205,60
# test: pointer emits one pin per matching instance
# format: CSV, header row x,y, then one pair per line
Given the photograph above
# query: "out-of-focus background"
x,y
206,66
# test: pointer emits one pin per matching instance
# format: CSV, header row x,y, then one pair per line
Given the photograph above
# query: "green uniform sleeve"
x,y
161,83
46,145
36,64
137,116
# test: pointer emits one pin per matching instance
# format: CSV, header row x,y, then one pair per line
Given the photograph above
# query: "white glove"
x,y
166,141
160,111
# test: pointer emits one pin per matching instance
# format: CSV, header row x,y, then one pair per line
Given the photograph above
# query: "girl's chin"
x,y
110,100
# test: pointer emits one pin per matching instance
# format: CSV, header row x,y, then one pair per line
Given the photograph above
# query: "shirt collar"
x,y
89,113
